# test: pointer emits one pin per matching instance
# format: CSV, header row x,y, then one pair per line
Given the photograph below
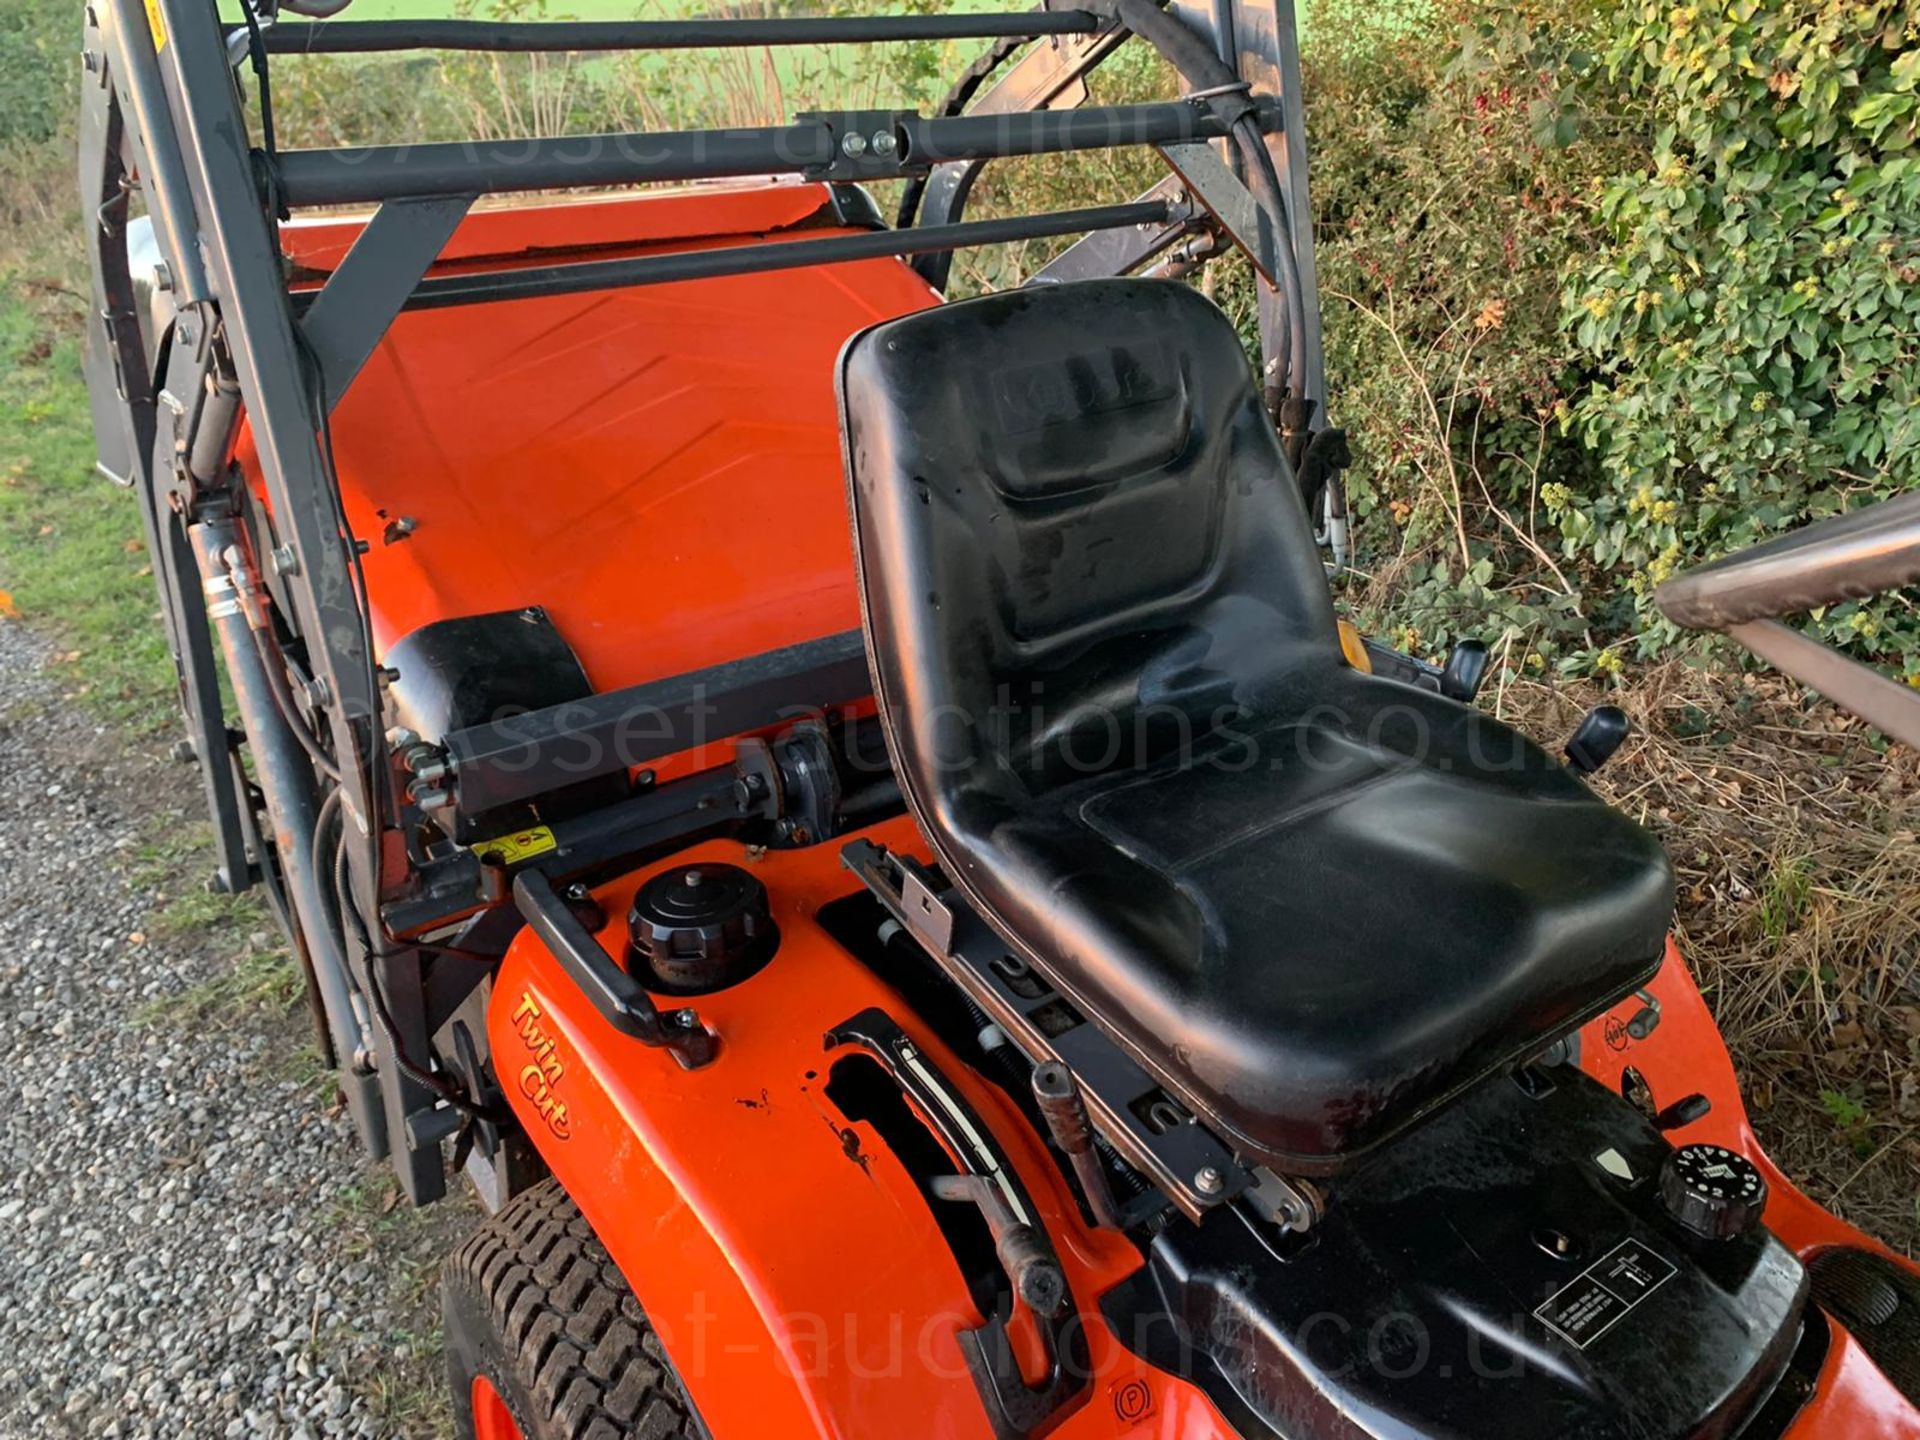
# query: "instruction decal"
x,y
1605,1293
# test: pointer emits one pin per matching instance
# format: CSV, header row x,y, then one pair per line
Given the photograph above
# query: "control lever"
x,y
1466,668
1603,730
1023,1253
1058,1096
1683,1112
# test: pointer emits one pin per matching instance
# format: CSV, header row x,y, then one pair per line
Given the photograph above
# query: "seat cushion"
x,y
1312,902
1325,928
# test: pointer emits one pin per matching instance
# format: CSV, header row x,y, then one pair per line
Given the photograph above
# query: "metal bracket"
x,y
1229,202
1120,252
862,144
354,309
1149,1128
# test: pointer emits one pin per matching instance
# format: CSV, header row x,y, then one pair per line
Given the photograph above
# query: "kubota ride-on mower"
x,y
851,818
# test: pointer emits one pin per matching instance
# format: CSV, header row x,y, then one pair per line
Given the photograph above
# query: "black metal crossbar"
x,y
890,145
589,275
367,37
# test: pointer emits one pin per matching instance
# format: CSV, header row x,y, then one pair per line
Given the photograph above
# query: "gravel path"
x,y
190,1245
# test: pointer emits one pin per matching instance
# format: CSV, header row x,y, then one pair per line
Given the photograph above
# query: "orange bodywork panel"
x,y
659,466
1684,1055
787,1257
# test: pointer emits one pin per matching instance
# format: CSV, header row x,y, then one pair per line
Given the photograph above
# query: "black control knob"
x,y
698,928
1713,1191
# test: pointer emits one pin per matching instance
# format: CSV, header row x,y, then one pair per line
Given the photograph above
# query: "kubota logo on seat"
x,y
543,1071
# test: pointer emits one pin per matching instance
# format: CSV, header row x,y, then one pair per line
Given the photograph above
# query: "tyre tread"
x,y
580,1344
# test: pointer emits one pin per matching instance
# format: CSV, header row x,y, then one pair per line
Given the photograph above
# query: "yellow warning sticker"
x,y
158,25
520,845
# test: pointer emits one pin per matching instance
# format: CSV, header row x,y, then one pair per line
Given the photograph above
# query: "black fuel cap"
x,y
1713,1191
699,928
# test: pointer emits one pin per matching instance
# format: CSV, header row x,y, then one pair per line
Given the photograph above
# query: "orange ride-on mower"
x,y
851,819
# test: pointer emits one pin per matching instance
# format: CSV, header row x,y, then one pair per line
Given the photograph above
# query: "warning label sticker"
x,y
512,849
1605,1293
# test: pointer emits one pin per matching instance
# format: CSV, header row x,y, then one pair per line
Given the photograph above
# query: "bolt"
x,y
853,144
318,695
1209,1181
284,561
884,144
694,879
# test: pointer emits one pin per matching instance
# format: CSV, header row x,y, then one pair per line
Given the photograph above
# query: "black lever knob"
x,y
1466,668
1603,730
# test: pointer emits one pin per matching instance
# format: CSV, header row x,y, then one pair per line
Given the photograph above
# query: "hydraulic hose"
x,y
286,779
273,663
1225,93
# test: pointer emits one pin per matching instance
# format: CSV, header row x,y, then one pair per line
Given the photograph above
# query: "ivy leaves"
x,y
1755,314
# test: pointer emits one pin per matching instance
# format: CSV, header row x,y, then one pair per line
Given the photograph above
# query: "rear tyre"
x,y
544,1340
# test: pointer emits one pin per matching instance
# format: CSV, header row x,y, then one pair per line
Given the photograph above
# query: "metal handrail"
x,y
1848,557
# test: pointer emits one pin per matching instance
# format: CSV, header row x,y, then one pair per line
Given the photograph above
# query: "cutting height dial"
x,y
1713,1191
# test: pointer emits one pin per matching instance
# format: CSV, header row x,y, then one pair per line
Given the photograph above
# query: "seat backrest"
x,y
1079,540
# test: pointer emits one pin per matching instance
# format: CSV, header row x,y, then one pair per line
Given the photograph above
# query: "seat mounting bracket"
x,y
1151,1130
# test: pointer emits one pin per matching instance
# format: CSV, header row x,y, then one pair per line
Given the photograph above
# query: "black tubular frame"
x,y
546,37
196,320
812,147
437,293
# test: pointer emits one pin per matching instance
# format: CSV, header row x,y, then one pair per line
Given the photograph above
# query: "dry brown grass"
x,y
1792,830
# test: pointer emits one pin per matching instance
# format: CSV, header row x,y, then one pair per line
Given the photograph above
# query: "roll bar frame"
x,y
182,343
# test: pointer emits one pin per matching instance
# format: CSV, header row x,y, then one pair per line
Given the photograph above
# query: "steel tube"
x,y
1889,706
363,37
285,778
1846,557
805,147
545,280
168,197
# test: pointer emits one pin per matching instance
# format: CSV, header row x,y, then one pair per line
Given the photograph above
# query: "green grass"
x,y
263,981
72,557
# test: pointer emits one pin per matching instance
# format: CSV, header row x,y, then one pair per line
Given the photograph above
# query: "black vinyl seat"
x,y
1314,902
